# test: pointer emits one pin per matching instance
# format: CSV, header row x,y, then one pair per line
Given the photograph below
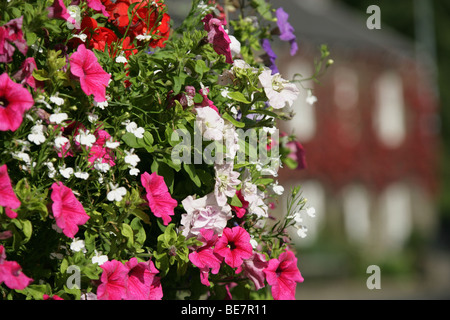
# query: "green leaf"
x,y
40,75
190,169
235,201
128,233
131,140
238,96
141,215
236,123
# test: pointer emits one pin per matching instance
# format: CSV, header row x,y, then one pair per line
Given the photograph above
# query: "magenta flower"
x,y
204,257
15,100
11,37
11,273
234,245
98,6
283,274
58,10
67,210
218,37
297,154
159,199
254,269
286,30
99,151
25,74
8,198
93,79
114,281
142,283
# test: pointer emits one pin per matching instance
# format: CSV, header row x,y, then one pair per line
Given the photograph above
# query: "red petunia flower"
x,y
67,210
283,274
234,245
14,101
159,199
93,79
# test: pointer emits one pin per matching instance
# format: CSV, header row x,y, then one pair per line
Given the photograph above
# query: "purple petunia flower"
x,y
286,30
272,56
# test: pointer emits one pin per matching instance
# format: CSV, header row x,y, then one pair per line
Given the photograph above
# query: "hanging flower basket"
x,y
139,161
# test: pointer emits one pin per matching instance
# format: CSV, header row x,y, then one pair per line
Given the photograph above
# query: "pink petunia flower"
x,y
93,79
97,6
204,257
8,198
159,199
25,74
218,37
67,210
297,154
11,273
99,151
15,100
142,283
114,281
234,245
11,37
283,274
54,297
58,10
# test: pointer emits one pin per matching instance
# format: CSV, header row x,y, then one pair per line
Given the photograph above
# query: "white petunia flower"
x,y
102,105
81,175
78,245
279,91
99,258
226,182
102,167
85,138
66,172
277,189
131,158
311,211
37,133
112,144
121,58
116,194
134,171
210,123
133,128
57,100
311,99
58,117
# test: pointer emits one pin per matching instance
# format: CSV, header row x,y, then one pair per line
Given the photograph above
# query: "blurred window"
x,y
389,117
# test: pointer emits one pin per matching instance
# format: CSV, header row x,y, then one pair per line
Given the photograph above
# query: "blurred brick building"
x,y
371,139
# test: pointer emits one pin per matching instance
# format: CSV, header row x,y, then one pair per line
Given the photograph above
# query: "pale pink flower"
x,y
67,210
279,91
210,123
203,213
226,182
159,199
283,274
234,245
93,79
254,269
